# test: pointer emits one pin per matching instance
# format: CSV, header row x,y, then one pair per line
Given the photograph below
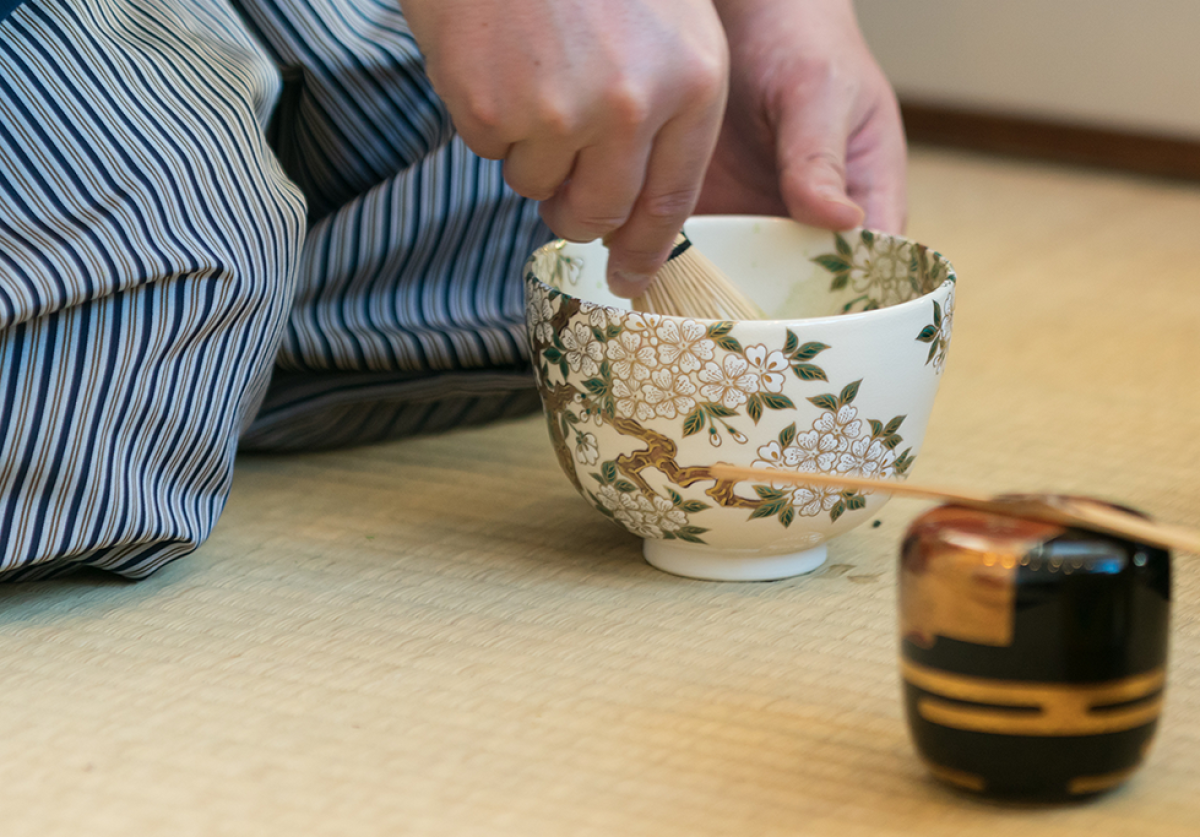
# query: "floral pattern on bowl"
x,y
639,405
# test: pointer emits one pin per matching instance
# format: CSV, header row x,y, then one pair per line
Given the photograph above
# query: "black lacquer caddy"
x,y
1033,655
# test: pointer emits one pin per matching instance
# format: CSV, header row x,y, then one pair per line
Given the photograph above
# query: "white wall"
x,y
1126,64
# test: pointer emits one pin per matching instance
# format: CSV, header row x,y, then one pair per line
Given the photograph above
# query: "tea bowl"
x,y
840,379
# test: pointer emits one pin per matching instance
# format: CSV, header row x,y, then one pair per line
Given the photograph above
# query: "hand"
x,y
813,129
606,112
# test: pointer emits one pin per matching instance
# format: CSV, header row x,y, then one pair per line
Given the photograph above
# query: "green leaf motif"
x,y
791,343
624,486
850,392
768,509
787,435
840,280
809,372
596,386
766,492
843,246
828,401
890,442
894,424
787,516
928,334
754,407
694,423
717,410
729,344
838,510
834,264
868,238
932,352
876,427
693,506
552,355
937,314
854,502
676,497
808,351
609,471
719,329
775,401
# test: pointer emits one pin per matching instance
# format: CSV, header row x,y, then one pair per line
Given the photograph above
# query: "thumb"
x,y
811,156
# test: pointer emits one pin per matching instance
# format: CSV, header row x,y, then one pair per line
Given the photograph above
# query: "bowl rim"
x,y
849,317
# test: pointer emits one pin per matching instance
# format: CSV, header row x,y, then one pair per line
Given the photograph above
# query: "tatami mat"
x,y
438,637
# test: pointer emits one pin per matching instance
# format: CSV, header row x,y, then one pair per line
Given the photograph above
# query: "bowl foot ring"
x,y
708,564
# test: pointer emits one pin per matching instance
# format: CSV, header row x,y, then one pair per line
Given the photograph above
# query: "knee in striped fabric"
x,y
148,248
409,314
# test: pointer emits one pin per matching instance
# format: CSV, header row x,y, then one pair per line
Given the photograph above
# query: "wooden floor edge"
x,y
1141,153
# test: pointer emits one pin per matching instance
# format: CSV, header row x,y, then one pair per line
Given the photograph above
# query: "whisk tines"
x,y
690,285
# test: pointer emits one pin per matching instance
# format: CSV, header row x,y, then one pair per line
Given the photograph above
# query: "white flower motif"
x,y
669,395
684,345
609,497
630,404
544,262
872,458
584,351
601,316
883,275
811,500
769,366
554,268
630,357
770,455
648,517
641,322
844,424
539,314
587,449
774,455
732,383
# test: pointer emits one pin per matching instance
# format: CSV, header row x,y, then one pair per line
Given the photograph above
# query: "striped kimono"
x,y
229,223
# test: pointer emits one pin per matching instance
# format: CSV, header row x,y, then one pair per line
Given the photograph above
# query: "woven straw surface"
x,y
438,637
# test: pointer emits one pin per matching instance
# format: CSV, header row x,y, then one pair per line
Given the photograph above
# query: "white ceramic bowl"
x,y
841,380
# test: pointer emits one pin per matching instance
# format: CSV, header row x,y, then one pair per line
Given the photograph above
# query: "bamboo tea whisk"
x,y
690,285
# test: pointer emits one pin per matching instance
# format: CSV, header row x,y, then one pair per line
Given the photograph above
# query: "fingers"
x,y
606,113
674,176
601,192
536,168
811,155
843,160
878,169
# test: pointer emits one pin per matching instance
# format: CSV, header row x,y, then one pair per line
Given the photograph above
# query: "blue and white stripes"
x,y
158,257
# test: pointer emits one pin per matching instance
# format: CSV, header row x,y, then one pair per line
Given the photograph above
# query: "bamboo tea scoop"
x,y
1047,508
690,285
